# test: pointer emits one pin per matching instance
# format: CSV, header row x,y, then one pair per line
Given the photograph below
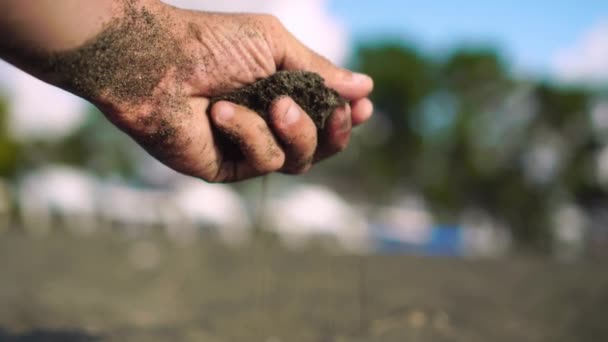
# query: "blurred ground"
x,y
106,288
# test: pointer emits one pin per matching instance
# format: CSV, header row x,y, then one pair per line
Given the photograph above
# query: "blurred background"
x,y
482,180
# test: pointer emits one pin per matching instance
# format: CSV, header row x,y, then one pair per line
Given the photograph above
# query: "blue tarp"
x,y
443,240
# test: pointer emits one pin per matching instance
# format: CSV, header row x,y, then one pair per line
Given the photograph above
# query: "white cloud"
x,y
586,60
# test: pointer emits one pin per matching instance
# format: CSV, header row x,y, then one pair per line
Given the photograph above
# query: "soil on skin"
x,y
71,289
125,63
306,88
127,60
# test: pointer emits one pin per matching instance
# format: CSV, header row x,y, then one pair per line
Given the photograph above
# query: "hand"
x,y
153,69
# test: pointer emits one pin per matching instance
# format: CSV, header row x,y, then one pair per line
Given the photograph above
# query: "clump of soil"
x,y
306,88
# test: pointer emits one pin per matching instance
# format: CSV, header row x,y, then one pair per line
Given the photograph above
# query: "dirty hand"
x,y
153,68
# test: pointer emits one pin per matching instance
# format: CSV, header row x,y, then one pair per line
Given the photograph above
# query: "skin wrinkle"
x,y
220,43
271,32
261,57
236,48
209,67
195,32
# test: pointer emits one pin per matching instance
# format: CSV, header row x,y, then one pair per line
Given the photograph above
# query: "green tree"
x,y
10,150
464,134
403,78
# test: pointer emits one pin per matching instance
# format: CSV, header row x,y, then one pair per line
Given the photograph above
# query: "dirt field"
x,y
105,288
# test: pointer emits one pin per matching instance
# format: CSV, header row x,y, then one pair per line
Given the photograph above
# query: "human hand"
x,y
154,68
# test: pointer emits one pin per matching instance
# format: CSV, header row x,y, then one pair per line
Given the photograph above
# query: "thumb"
x,y
294,55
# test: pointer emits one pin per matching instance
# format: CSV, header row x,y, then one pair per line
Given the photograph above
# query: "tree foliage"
x,y
465,134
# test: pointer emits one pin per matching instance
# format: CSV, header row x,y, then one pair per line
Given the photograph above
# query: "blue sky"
x,y
530,32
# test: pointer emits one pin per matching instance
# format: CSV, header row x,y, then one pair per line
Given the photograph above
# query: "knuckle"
x,y
207,177
298,168
340,146
276,162
270,20
217,179
271,164
320,61
273,31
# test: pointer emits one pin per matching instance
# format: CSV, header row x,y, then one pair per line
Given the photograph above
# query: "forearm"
x,y
52,25
33,29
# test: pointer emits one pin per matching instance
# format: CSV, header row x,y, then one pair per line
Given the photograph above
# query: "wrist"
x,y
120,67
73,23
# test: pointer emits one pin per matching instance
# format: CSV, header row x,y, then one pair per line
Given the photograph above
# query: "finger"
x,y
249,131
230,171
362,111
296,56
179,137
336,135
297,133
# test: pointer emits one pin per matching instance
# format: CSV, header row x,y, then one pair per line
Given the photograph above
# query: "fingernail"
x,y
345,126
291,115
225,112
343,122
360,78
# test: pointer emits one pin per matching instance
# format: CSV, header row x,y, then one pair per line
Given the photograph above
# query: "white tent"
x,y
60,191
214,206
310,211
